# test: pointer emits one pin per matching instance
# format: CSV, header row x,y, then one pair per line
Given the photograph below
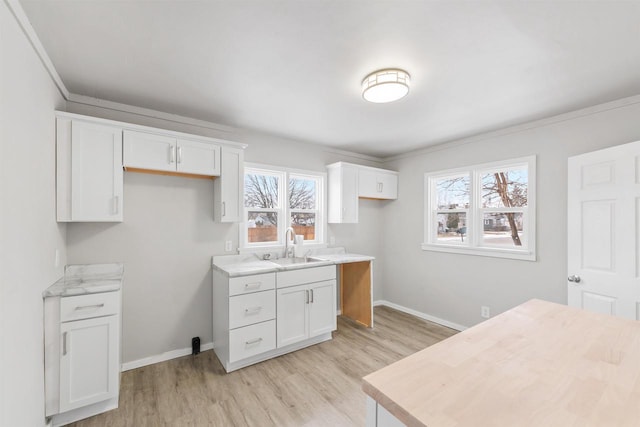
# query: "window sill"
x,y
481,251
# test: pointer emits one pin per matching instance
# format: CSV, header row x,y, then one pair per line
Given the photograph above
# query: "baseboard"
x,y
420,314
208,346
162,357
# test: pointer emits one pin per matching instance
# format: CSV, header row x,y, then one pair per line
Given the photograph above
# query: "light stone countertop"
x,y
82,279
249,264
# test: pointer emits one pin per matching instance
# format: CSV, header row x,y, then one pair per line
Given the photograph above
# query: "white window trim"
x,y
284,220
474,216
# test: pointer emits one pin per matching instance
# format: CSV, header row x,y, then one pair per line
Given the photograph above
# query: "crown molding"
x,y
21,18
547,121
148,112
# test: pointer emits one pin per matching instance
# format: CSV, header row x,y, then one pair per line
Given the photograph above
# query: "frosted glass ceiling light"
x,y
386,85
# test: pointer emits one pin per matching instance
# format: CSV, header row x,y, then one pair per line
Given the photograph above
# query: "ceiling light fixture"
x,y
386,85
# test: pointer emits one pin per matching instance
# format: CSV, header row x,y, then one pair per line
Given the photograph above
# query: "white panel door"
x,y
292,319
89,370
603,218
322,308
96,172
199,158
148,151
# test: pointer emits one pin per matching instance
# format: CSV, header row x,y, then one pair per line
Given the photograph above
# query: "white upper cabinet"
x,y
148,151
377,184
89,172
92,152
343,193
200,158
155,152
348,182
228,188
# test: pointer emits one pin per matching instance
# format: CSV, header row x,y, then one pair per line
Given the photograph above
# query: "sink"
x,y
290,261
294,263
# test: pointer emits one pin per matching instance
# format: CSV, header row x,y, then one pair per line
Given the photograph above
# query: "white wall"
x,y
29,234
452,286
168,237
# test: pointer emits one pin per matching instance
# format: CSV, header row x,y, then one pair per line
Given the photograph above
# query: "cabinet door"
x,y
89,370
148,151
343,194
199,158
292,321
367,184
322,308
96,172
387,184
377,184
349,195
229,187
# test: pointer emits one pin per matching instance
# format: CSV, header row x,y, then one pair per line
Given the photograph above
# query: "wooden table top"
x,y
539,364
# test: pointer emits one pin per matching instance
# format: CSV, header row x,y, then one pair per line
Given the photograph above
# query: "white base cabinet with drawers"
x,y
82,355
262,316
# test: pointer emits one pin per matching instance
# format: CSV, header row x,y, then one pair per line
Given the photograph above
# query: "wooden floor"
x,y
317,386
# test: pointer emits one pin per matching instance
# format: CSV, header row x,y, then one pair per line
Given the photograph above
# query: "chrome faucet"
x,y
288,249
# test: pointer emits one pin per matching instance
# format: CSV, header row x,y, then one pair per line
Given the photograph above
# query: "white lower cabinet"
x,y
262,316
89,370
82,355
306,311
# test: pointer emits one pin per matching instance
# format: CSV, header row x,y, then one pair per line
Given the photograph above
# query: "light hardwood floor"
x,y
317,386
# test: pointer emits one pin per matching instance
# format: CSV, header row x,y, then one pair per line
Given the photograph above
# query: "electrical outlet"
x,y
485,312
228,246
332,240
56,258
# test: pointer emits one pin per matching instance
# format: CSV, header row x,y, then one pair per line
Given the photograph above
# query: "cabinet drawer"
x,y
305,275
255,283
88,306
251,340
252,308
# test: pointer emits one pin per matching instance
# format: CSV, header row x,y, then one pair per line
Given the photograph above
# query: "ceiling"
x,y
293,68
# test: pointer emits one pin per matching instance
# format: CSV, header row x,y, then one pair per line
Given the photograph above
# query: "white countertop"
x,y
246,265
344,258
81,279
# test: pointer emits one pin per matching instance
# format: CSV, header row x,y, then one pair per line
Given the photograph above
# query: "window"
x,y
271,206
483,210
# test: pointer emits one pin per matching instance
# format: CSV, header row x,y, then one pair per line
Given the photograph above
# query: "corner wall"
x,y
453,286
29,234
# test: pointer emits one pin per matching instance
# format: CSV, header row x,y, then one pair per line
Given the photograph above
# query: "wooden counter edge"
x,y
396,410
